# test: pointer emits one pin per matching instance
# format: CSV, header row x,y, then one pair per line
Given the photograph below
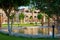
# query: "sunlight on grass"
x,y
21,25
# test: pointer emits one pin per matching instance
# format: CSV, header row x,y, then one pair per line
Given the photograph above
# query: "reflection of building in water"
x,y
36,31
31,30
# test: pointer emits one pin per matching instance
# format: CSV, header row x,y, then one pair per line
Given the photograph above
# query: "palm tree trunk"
x,y
18,23
48,24
42,22
32,16
21,21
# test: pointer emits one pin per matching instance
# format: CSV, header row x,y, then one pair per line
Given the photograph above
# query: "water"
x,y
34,30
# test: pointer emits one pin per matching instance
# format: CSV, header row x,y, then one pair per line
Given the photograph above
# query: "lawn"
x,y
23,25
7,37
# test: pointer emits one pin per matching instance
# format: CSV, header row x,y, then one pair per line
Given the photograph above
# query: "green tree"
x,y
48,17
49,7
21,17
11,18
40,16
8,5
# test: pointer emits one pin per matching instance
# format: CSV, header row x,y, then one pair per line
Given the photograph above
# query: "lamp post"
x,y
53,26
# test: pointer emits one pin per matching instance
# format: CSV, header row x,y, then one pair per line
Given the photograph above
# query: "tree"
x,y
21,17
40,16
8,5
49,7
11,18
48,17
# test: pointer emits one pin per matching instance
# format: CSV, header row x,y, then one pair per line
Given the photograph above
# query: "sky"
x,y
23,7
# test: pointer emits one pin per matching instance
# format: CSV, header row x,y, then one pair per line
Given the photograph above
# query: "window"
x,y
30,17
35,12
2,15
26,16
38,12
35,16
5,20
27,11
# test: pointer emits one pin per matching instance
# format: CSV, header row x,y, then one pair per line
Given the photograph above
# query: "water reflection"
x,y
32,30
35,30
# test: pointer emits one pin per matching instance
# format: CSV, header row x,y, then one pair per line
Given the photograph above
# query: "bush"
x,y
31,23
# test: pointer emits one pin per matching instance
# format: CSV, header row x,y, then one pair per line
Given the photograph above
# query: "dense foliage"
x,y
48,6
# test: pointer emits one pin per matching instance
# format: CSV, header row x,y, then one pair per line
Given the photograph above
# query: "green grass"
x,y
16,25
7,37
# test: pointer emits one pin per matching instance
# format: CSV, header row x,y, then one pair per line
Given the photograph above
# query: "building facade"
x,y
30,16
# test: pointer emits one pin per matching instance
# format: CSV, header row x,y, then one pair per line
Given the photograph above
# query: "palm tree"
x,y
48,17
21,17
48,21
40,16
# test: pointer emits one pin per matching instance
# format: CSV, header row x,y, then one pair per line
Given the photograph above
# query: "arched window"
x,y
27,11
35,16
26,16
35,12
